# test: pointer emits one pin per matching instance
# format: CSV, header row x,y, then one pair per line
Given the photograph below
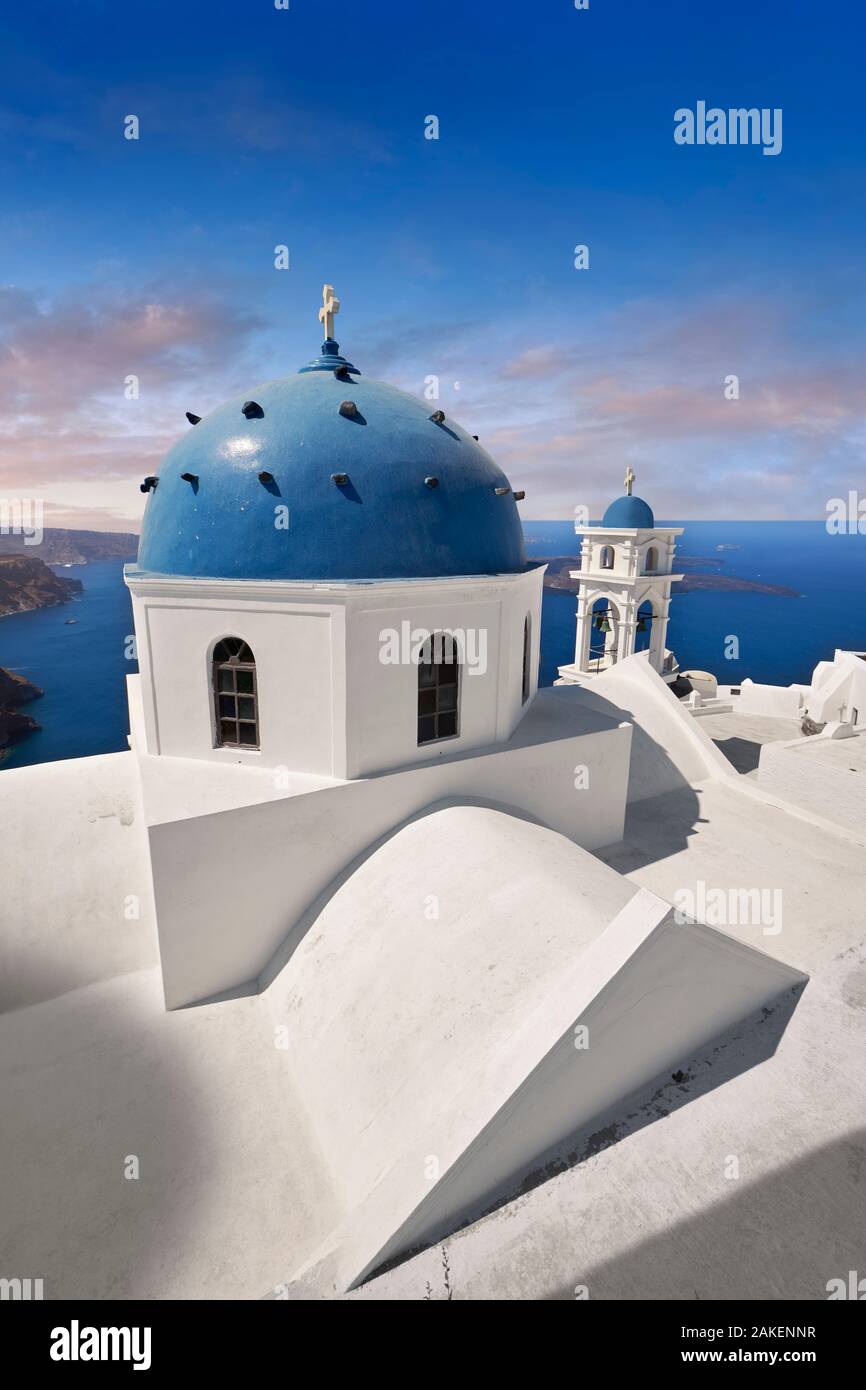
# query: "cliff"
x,y
27,583
63,547
15,690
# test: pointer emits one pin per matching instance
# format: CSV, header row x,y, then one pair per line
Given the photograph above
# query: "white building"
x,y
836,693
625,577
366,934
802,742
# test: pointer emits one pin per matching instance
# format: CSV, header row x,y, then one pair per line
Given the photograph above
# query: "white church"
x,y
370,959
626,573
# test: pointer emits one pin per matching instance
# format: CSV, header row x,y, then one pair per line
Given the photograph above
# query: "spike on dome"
x,y
381,522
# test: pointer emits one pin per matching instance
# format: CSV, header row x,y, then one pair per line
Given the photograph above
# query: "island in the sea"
x,y
27,583
558,576
14,691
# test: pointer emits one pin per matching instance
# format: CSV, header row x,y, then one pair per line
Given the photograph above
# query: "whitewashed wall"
x,y
780,701
838,689
328,704
231,887
382,729
825,777
75,892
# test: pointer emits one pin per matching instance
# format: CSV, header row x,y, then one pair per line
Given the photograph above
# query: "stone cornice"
x,y
147,584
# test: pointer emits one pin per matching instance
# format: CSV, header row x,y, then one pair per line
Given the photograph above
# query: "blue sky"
x,y
452,257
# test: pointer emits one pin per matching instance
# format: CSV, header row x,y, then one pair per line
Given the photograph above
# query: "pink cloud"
x,y
63,369
534,362
642,384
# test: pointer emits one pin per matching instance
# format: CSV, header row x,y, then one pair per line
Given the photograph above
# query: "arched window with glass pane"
x,y
235,694
438,688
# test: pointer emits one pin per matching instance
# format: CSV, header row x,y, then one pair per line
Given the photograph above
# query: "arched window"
x,y
607,557
651,563
438,688
602,644
527,657
644,627
235,696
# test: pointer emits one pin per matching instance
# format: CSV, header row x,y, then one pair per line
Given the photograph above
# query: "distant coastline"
x,y
61,546
559,566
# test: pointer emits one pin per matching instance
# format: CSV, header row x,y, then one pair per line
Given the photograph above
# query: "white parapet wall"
x,y
824,775
837,692
669,748
233,885
779,701
75,894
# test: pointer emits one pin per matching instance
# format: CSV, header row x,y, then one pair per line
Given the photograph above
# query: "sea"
x,y
82,665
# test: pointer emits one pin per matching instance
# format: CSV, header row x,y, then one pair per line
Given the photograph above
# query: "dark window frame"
x,y
438,709
235,693
527,657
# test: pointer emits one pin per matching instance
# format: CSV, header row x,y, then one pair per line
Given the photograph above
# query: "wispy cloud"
x,y
533,363
66,421
643,384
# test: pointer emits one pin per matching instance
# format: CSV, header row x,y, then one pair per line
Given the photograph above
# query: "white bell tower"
x,y
624,597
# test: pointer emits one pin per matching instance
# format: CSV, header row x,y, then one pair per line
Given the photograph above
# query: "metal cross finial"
x,y
330,307
629,479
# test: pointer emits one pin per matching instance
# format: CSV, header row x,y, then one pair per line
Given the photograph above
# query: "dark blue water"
x,y
82,667
780,639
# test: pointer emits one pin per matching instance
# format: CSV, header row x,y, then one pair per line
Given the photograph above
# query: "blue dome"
x,y
385,521
629,514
